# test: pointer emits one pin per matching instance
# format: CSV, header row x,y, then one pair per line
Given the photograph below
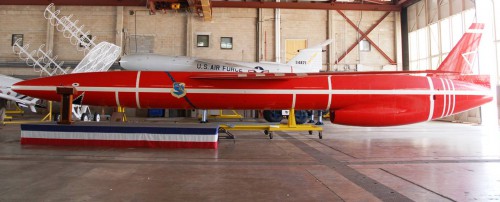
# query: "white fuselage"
x,y
152,62
6,92
6,83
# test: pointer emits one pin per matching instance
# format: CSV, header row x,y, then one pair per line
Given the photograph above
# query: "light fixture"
x,y
364,45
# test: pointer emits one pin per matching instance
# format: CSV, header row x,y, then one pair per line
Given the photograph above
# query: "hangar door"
x,y
292,46
141,44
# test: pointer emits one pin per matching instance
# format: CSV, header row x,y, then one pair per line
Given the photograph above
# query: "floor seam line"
x,y
377,189
406,180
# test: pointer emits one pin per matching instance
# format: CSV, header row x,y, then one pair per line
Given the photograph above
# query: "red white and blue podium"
x,y
120,136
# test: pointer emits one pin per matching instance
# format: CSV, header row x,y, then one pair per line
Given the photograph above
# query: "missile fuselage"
x,y
361,100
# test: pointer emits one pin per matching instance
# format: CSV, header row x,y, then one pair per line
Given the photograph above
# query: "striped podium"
x,y
120,136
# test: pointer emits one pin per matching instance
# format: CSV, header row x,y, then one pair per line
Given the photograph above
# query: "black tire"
x,y
57,117
310,112
301,116
97,117
266,132
85,117
271,135
273,116
320,135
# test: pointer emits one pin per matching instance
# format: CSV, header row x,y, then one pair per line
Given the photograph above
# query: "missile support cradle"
x,y
269,129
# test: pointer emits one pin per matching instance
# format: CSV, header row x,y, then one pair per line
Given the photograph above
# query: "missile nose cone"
x,y
121,62
126,61
123,59
18,86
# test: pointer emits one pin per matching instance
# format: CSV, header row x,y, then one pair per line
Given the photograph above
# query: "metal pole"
x,y
204,115
320,118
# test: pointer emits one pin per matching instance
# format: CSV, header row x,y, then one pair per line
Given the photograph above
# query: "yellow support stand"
x,y
15,111
119,115
122,110
292,123
46,118
221,115
269,129
327,115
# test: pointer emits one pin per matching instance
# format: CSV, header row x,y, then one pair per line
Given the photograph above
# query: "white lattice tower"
x,y
70,29
99,59
41,61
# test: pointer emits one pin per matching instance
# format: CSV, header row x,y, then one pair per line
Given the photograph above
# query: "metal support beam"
x,y
365,36
331,35
204,116
304,5
260,33
377,1
277,34
207,10
398,40
404,39
406,3
76,2
375,5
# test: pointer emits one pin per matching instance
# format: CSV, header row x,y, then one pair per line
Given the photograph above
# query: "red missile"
x,y
363,100
360,99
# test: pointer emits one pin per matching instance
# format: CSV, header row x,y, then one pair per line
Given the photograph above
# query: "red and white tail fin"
x,y
462,57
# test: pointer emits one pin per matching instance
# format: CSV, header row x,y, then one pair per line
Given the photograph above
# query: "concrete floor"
x,y
433,161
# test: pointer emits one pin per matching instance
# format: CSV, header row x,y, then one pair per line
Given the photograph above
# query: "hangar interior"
x,y
392,44
434,161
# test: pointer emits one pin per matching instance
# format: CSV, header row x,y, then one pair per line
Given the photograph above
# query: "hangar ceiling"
x,y
203,8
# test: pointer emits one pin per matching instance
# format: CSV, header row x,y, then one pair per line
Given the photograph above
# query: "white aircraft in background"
x,y
6,93
307,60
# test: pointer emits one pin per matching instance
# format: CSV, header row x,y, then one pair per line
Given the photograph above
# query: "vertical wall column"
x,y
260,41
404,39
189,35
119,27
331,35
277,32
398,42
